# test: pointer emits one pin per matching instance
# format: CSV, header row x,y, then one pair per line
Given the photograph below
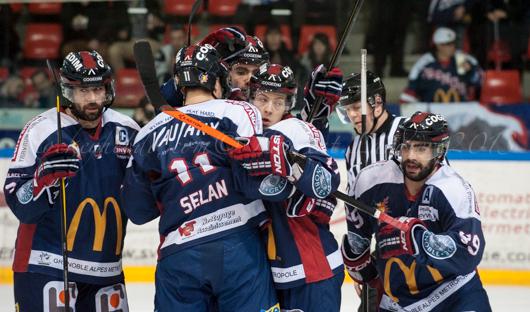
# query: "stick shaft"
x,y
338,51
62,190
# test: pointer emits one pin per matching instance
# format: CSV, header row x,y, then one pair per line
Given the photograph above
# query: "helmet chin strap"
x,y
374,123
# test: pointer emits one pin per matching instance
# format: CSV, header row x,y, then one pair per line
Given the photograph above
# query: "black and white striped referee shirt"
x,y
377,148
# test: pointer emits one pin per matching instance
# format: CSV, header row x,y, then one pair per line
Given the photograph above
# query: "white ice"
x,y
502,298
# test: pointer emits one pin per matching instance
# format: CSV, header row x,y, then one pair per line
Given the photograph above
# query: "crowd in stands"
x,y
483,34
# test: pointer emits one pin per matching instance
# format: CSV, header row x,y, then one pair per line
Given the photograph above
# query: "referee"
x,y
375,145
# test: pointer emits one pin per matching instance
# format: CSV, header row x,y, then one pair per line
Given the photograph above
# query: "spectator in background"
x,y
390,19
121,52
94,25
319,52
451,14
165,58
44,87
9,40
444,75
11,92
278,51
280,54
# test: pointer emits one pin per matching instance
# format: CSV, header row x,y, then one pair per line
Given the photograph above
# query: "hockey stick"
x,y
338,51
364,107
299,158
62,192
194,10
145,66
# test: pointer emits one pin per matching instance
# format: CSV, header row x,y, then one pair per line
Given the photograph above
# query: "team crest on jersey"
x,y
321,182
274,308
25,192
272,185
438,246
383,205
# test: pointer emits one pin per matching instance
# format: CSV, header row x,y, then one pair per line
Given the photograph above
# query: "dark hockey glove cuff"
x,y
361,267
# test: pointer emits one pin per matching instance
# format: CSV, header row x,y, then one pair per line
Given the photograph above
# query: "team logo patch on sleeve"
x,y
25,192
272,185
321,182
357,243
438,246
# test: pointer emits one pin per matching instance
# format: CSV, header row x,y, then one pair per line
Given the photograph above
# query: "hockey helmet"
x,y
85,69
200,66
351,92
424,127
230,42
255,53
275,78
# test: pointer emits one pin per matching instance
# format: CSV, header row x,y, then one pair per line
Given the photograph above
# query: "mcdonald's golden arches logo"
x,y
442,96
100,223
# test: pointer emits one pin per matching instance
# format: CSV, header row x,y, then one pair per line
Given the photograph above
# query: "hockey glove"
x,y
320,210
228,41
59,161
393,242
361,267
324,84
263,156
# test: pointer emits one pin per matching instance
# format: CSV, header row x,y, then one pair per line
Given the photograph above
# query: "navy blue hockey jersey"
x,y
301,248
185,177
449,251
432,81
96,221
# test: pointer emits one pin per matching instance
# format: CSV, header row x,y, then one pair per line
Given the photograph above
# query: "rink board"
x,y
502,192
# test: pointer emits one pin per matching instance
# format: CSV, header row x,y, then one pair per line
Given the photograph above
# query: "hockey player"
x,y
243,54
431,266
305,259
210,251
92,157
380,129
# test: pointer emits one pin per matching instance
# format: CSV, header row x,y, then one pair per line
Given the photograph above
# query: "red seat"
x,y
261,30
45,8
129,88
223,7
179,7
308,31
4,73
499,53
16,7
501,87
42,41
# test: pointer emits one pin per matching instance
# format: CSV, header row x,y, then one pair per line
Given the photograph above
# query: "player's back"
x,y
191,178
